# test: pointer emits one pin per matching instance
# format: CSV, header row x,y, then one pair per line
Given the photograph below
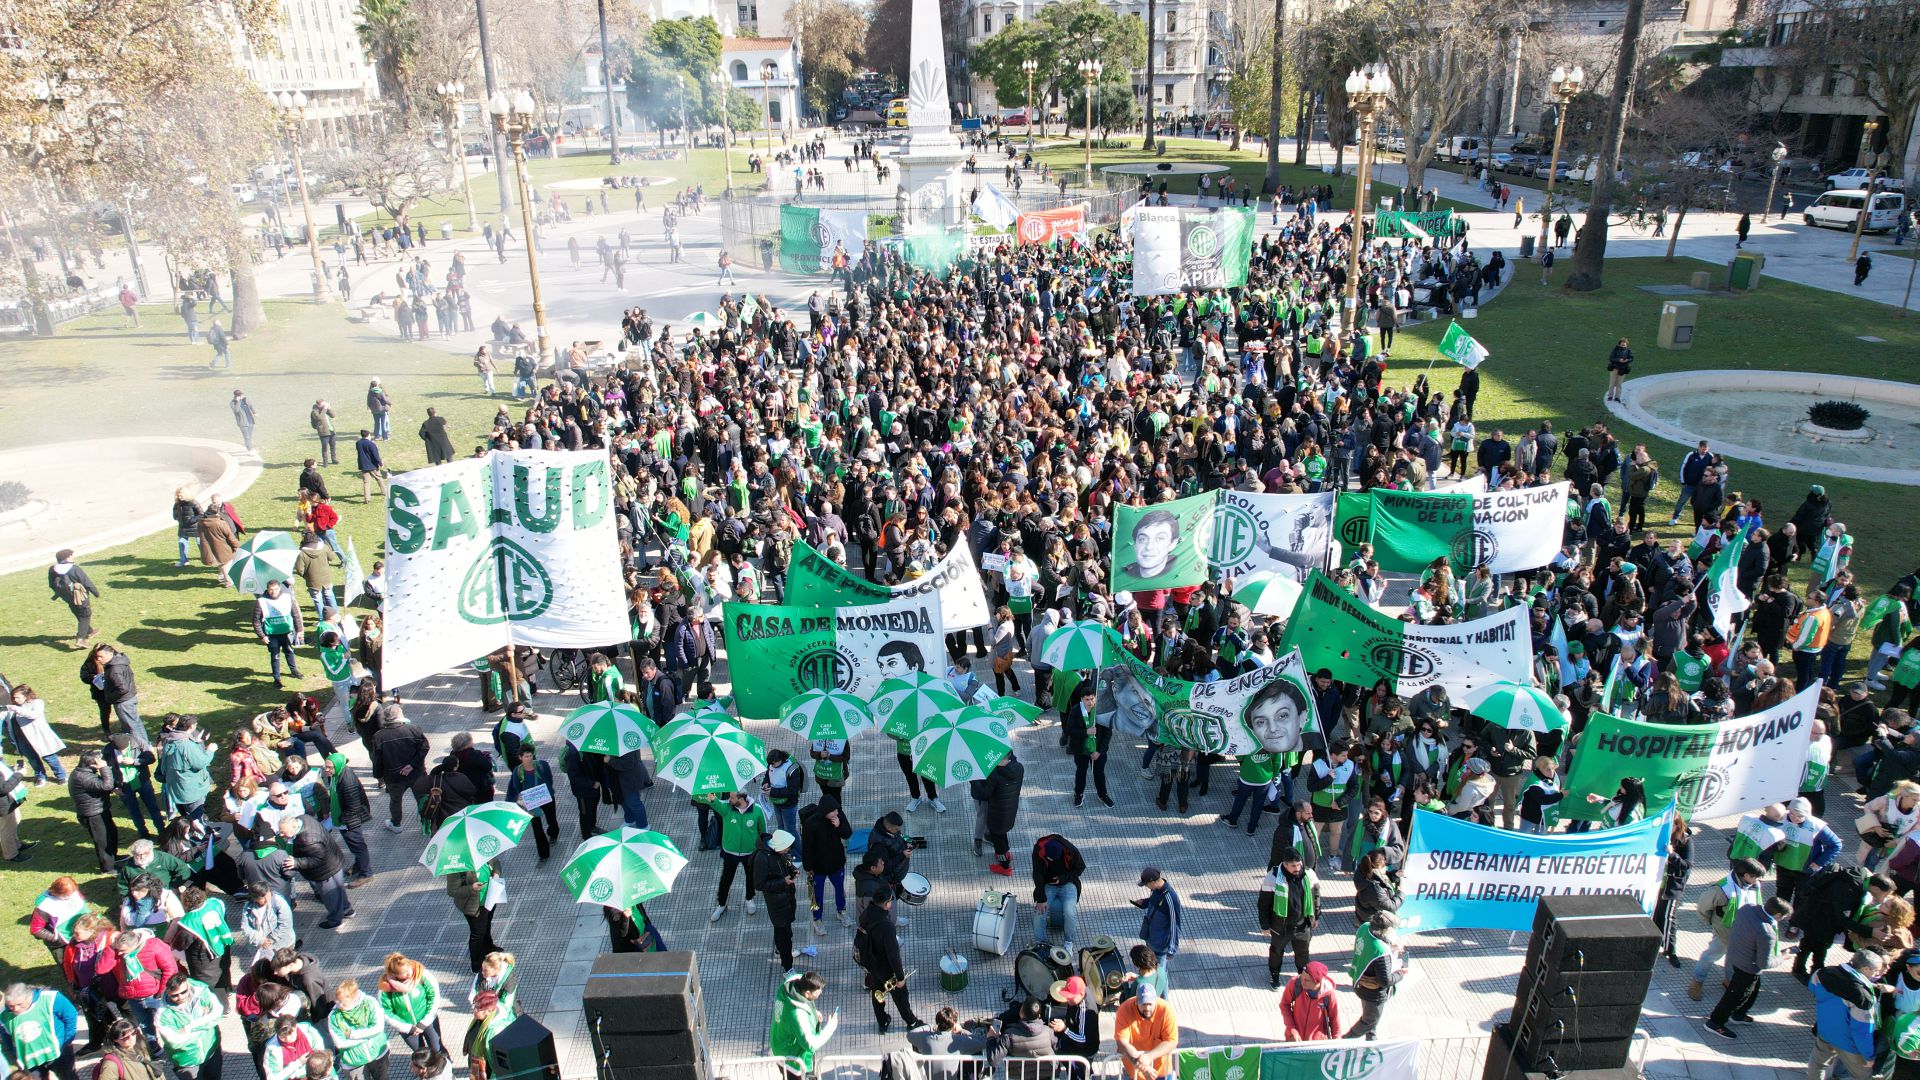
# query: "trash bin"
x,y
446,230
1743,272
1526,246
1677,319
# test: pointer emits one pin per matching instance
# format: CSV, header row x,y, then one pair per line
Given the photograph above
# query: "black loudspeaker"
x,y
1580,993
646,1018
1504,1064
523,1050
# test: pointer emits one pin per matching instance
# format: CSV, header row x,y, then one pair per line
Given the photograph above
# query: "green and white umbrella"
x,y
1268,593
685,724
704,761
706,707
474,836
1516,707
606,727
961,747
1078,646
266,556
1012,709
622,868
705,320
825,714
905,709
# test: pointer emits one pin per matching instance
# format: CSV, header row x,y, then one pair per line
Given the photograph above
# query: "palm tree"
x,y
388,33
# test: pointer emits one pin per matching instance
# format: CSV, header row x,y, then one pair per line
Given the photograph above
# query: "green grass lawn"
x,y
190,639
1249,167
706,167
1911,251
1548,361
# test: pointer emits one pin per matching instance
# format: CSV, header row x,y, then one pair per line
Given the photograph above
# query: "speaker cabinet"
x,y
523,1050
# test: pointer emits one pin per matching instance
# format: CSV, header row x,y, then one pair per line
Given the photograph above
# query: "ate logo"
x,y
1475,547
1234,533
505,584
824,667
1404,660
1354,530
1356,1064
1699,789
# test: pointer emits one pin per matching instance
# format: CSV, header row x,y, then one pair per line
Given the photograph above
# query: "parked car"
x,y
1522,164
1856,178
1841,208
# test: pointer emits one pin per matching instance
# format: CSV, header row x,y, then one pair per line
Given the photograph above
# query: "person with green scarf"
x,y
188,1025
1378,965
1296,913
607,682
797,1031
201,936
410,1000
357,1027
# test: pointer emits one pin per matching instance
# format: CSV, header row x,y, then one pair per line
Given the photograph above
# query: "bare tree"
x,y
1590,251
1872,46
1680,156
396,169
1438,52
1277,104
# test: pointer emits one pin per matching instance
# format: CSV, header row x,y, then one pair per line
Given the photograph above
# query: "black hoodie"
x,y
823,844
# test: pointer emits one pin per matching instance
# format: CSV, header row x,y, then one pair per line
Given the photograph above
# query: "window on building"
x,y
739,71
773,111
1173,22
1214,57
1167,94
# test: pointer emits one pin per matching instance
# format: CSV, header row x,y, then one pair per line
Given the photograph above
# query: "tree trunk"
x,y
1673,237
1271,183
1153,16
1591,250
248,314
1303,127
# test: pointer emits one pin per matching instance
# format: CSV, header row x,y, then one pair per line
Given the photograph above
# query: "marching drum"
x,y
993,923
953,972
1038,967
1102,968
914,889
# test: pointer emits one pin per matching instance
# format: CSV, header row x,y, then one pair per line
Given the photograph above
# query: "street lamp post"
x,y
1779,156
1564,85
292,106
768,72
453,91
724,84
512,118
1090,74
1367,90
1872,161
1030,66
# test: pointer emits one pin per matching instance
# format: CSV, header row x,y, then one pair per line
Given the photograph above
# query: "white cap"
x,y
781,840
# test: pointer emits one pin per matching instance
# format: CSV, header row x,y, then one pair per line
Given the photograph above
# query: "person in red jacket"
x,y
1309,1006
324,520
142,969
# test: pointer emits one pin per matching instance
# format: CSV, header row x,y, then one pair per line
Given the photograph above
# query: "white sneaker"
x,y
939,807
391,827
819,928
752,907
912,805
717,912
846,919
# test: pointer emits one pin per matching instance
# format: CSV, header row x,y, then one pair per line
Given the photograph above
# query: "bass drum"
x,y
1038,967
993,923
1104,972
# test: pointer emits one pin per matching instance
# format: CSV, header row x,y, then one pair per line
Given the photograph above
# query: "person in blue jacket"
x,y
1160,923
1846,1008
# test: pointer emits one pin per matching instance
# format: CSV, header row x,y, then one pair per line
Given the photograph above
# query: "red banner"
x,y
1046,226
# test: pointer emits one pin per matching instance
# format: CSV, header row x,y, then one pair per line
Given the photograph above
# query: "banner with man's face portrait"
x,y
1164,546
1254,532
1269,708
779,650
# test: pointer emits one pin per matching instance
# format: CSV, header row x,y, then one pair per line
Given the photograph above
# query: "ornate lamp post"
x,y
1564,85
1367,91
724,84
1090,74
769,71
1031,67
452,92
514,117
1872,161
292,106
1779,156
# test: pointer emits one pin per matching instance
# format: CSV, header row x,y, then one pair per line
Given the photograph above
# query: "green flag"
x,y
1410,529
1352,519
1724,598
1336,630
791,649
1459,347
1163,546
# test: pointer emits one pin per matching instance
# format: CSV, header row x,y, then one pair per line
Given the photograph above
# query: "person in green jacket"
x,y
185,761
358,1028
607,683
742,824
797,1032
188,1025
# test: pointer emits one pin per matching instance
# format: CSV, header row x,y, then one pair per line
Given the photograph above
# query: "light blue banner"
x,y
1459,874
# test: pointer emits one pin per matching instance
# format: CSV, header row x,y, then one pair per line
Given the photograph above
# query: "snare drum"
x,y
914,889
1038,967
993,923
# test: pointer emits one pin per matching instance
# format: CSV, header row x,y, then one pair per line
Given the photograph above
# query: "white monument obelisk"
x,y
931,164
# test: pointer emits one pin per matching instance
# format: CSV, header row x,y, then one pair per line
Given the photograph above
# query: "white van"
x,y
1841,210
1461,148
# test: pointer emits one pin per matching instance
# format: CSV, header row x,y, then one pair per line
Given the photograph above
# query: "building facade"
x,y
1183,81
768,71
319,55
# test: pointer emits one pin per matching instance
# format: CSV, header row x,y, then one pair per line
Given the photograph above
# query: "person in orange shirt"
x,y
1808,636
1146,1034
